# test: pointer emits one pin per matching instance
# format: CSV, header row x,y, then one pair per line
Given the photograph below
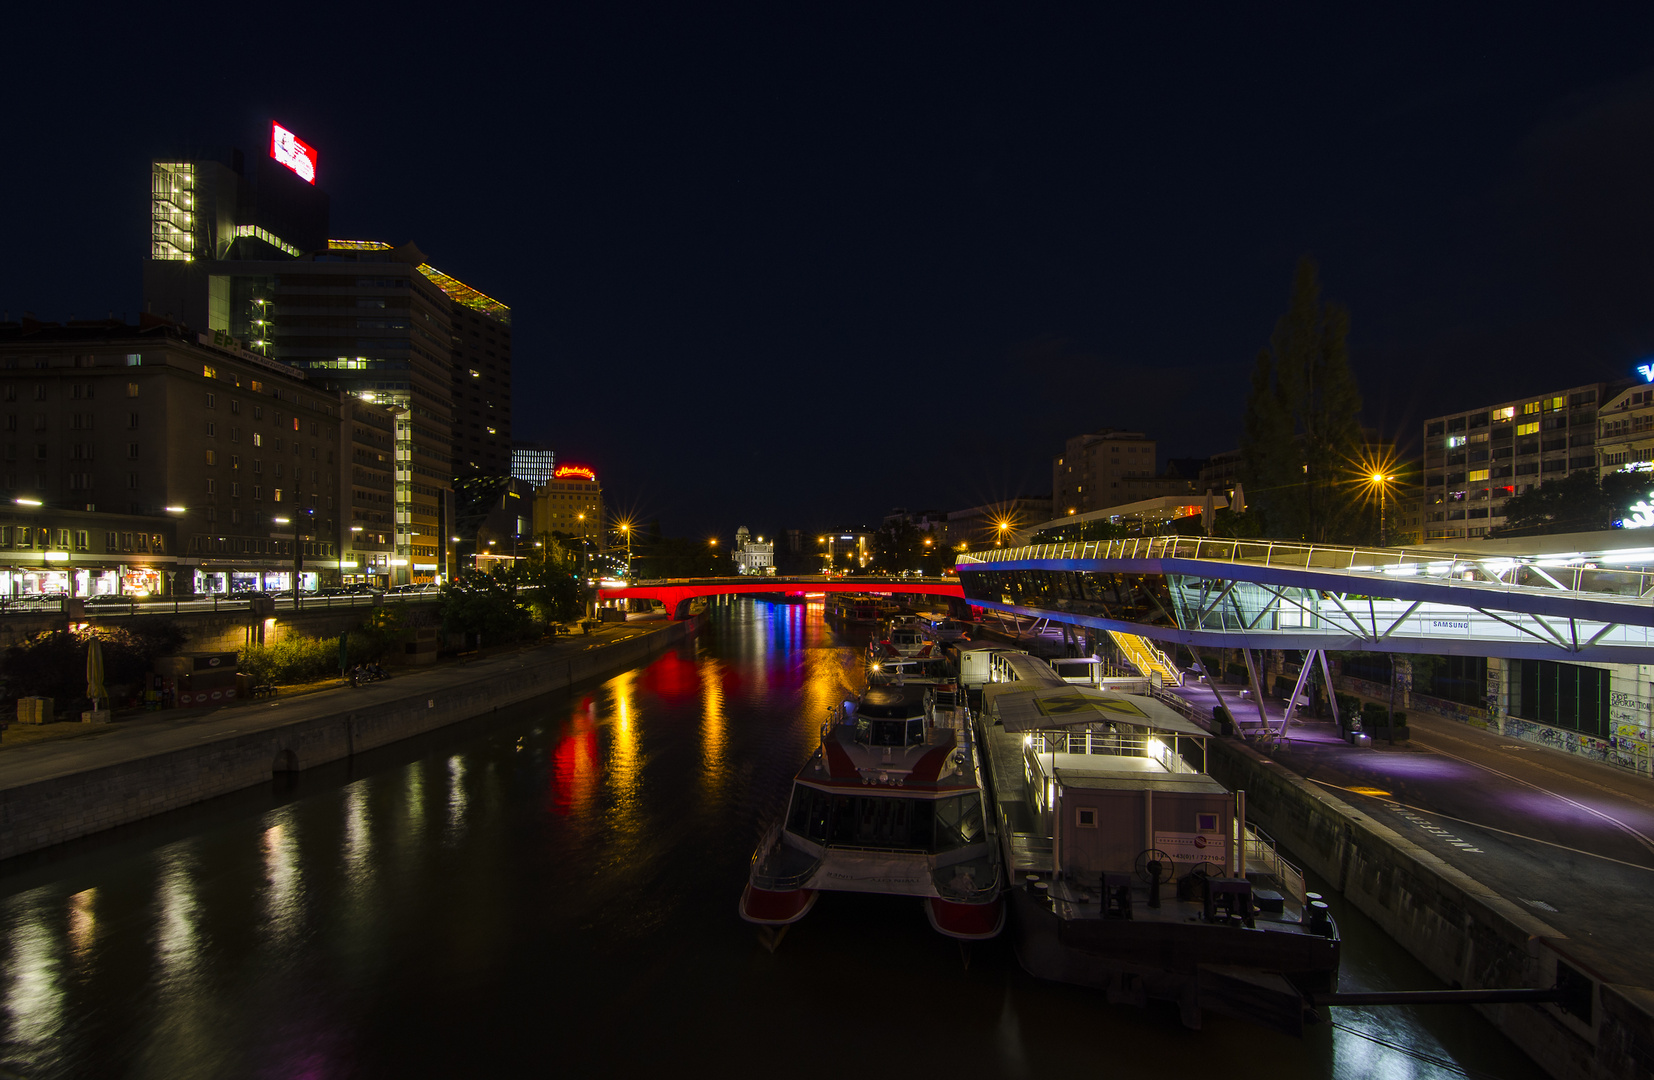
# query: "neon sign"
x,y
565,471
1646,371
288,149
1640,515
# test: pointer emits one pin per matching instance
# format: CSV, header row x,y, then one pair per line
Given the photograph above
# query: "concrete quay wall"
x,y
51,811
1466,933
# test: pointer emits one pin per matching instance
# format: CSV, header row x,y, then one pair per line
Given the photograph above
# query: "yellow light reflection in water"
x,y
456,800
283,904
34,985
623,756
415,801
358,835
714,734
175,935
83,923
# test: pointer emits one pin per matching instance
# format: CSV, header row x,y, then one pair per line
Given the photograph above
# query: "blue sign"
x,y
1646,371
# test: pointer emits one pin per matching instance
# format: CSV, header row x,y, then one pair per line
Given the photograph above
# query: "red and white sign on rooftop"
x,y
293,152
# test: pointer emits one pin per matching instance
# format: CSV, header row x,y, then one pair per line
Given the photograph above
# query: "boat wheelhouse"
x,y
1136,871
890,802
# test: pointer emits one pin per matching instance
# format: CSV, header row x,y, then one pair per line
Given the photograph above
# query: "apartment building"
x,y
1106,468
1476,459
151,421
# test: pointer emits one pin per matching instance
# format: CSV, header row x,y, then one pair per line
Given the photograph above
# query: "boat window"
x,y
958,822
881,822
809,814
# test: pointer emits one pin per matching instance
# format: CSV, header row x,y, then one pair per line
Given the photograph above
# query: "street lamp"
x,y
1381,481
626,531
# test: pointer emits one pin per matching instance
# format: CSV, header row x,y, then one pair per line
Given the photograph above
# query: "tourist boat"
x,y
891,802
1135,872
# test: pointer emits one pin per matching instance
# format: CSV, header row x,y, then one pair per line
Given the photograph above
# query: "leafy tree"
x,y
53,663
1577,502
551,577
1301,434
473,602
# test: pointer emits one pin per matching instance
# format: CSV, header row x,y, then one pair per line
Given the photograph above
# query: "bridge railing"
x,y
1595,573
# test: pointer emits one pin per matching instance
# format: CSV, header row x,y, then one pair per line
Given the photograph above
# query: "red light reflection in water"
x,y
575,765
672,677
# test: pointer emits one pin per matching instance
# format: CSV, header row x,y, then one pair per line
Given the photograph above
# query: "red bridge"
x,y
676,593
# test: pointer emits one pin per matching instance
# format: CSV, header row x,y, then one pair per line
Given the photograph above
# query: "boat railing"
x,y
952,889
1118,744
770,844
871,850
1262,855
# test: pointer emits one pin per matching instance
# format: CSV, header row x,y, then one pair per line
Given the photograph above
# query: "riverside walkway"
x,y
53,790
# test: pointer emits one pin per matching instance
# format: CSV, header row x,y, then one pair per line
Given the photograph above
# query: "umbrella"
x,y
94,672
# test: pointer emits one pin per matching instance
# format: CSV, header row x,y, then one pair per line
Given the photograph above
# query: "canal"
x,y
553,888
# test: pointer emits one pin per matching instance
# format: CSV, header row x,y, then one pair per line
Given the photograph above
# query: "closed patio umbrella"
x,y
94,672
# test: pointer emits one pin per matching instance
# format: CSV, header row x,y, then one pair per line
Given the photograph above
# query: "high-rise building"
x,y
1477,458
243,251
533,462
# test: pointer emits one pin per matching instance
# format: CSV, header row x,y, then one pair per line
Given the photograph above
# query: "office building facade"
x,y
533,463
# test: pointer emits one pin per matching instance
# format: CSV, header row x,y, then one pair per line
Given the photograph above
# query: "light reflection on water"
x,y
533,891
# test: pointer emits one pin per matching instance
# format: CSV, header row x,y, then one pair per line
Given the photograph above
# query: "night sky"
x,y
793,270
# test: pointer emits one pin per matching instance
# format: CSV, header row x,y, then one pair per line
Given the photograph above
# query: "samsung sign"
x,y
288,149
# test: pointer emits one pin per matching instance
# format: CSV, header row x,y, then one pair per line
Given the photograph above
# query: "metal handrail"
x,y
1577,572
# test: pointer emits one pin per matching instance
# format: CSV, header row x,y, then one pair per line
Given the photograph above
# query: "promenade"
x,y
55,789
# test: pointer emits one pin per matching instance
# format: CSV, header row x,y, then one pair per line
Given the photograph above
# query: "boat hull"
x,y
966,922
1257,975
768,907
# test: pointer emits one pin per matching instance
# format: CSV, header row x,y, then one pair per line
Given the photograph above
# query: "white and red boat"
x,y
890,802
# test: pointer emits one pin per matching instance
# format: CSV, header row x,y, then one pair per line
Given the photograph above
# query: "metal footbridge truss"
x,y
1254,594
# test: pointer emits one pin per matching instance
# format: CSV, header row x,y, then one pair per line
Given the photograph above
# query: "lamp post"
x,y
626,531
1382,482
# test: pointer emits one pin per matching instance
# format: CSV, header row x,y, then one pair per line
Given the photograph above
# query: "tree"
x,y
473,602
1577,502
551,578
1301,434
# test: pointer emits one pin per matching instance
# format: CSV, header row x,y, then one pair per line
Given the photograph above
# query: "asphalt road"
x,y
1569,838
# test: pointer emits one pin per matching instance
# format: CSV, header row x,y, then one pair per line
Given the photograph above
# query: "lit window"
x,y
1528,429
1477,474
209,372
1530,408
1506,413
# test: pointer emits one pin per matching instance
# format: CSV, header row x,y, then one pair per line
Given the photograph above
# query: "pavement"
x,y
1571,839
145,734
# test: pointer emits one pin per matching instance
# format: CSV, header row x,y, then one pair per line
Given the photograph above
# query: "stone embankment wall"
x,y
1467,934
37,815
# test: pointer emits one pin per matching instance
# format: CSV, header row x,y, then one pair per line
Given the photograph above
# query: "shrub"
x,y
292,659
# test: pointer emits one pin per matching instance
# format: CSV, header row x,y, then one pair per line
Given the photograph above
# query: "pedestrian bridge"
x,y
1260,594
677,593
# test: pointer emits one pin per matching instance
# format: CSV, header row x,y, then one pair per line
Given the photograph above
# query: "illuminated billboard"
x,y
291,151
579,472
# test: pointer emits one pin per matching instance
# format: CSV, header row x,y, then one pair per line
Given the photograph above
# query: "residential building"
x,y
1625,432
107,554
1475,459
1107,468
151,420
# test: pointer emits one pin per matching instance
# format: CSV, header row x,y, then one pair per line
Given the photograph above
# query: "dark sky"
x,y
792,270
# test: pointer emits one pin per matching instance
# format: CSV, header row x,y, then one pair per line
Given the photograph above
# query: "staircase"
x,y
1147,658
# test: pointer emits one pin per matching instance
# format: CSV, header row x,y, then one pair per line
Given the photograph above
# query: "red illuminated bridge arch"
x,y
676,593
